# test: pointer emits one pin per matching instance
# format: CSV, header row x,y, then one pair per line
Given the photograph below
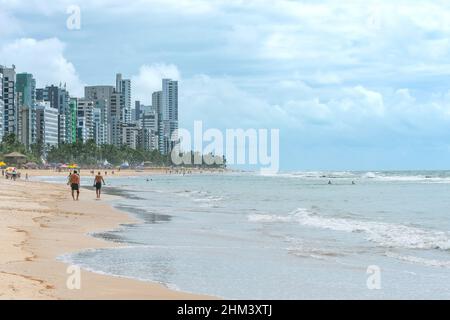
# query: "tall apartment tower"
x,y
130,135
46,124
2,107
73,123
137,110
116,118
123,86
59,99
101,97
26,105
149,131
85,120
9,100
157,105
101,125
169,114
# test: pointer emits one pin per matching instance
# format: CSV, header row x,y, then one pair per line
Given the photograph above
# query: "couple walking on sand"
x,y
74,182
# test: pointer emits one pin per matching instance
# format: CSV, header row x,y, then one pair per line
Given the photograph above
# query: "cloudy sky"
x,y
350,84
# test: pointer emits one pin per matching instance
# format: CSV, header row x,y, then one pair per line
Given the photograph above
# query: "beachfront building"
x,y
101,122
117,105
130,135
26,106
101,96
9,100
26,124
157,105
137,111
149,133
168,114
148,139
59,98
73,120
46,124
2,107
85,120
123,86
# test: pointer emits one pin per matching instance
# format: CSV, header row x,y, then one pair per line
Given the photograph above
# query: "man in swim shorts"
x,y
98,184
74,182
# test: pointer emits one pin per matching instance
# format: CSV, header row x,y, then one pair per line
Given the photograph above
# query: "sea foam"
x,y
384,234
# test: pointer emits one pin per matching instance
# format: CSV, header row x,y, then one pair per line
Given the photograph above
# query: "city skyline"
x,y
51,116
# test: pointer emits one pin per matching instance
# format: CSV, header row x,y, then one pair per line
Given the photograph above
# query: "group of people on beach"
x,y
74,181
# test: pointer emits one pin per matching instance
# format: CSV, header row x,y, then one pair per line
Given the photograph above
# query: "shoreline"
x,y
39,223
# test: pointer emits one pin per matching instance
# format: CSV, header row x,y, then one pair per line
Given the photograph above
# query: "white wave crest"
x,y
418,260
384,234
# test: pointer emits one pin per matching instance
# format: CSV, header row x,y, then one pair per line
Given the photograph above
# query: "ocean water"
x,y
284,236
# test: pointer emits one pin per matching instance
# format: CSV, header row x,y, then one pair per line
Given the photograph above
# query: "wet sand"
x,y
39,222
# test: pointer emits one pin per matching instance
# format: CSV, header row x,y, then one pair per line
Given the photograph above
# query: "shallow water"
x,y
285,236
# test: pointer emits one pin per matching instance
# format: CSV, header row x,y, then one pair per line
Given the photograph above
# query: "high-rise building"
x,y
116,118
130,135
9,100
42,94
157,105
46,124
170,100
101,96
26,105
137,110
149,134
166,103
98,92
2,107
59,99
123,86
85,120
73,123
101,125
96,118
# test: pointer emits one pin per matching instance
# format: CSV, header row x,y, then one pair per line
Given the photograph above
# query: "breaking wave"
x,y
384,234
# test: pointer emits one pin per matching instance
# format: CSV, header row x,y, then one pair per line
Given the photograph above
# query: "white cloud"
x,y
8,24
45,60
148,80
325,71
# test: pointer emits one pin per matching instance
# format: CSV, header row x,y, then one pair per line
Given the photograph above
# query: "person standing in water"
x,y
74,181
98,184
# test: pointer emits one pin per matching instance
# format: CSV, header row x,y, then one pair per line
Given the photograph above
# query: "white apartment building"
x,y
46,123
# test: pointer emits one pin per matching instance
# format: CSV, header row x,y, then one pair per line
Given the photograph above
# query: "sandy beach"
x,y
39,222
122,173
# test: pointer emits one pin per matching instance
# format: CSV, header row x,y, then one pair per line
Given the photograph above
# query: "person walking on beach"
x,y
98,184
74,181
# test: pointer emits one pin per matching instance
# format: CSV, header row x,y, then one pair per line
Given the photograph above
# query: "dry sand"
x,y
39,222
